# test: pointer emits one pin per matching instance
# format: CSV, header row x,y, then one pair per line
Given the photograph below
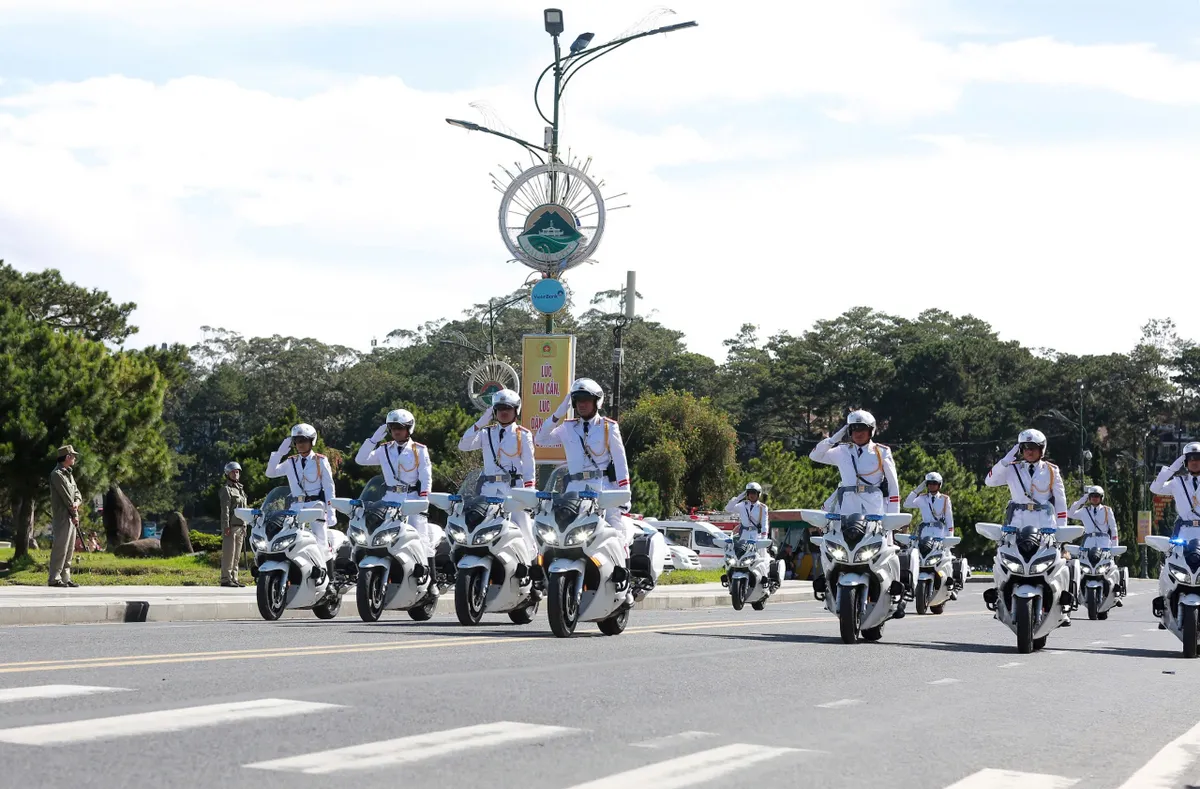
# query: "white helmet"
x,y
1090,489
933,476
304,430
232,466
586,387
1033,437
507,397
754,487
401,417
861,417
1191,449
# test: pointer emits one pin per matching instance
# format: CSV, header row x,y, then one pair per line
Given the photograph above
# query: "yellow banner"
x,y
1143,525
547,370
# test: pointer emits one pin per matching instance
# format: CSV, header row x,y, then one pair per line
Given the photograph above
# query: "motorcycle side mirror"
x,y
443,501
414,507
246,514
1073,551
950,542
817,541
896,520
1068,533
1118,550
612,498
521,499
818,518
310,515
903,539
990,531
345,506
1159,542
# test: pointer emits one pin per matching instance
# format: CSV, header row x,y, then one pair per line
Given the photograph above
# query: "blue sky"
x,y
783,162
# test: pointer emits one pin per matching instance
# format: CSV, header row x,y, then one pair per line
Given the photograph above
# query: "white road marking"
x,y
693,769
1127,635
157,722
416,748
1165,769
1011,665
1007,779
946,681
832,705
1151,630
673,739
51,692
1098,643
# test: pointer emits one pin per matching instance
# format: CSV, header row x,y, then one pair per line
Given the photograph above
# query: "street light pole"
x,y
1081,435
618,358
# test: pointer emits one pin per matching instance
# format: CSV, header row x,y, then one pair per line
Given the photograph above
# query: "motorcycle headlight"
x,y
1180,576
836,552
457,534
486,536
546,534
1013,565
866,553
283,543
385,537
258,543
579,535
357,536
1042,566
932,560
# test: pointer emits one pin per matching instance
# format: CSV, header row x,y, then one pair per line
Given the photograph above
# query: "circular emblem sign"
x,y
487,377
549,296
565,225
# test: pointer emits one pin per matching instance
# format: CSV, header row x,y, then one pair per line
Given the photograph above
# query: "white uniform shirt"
x,y
1184,488
753,516
308,476
1031,483
936,510
403,464
1099,523
588,450
870,464
506,450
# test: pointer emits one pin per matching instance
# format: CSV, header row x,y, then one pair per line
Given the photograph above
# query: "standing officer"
x,y
233,531
64,506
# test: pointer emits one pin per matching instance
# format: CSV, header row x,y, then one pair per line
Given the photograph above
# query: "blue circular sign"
x,y
549,296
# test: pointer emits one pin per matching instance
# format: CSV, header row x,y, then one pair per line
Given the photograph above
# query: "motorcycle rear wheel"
x,y
873,633
848,615
272,594
759,605
328,610
937,609
423,613
615,624
523,616
561,605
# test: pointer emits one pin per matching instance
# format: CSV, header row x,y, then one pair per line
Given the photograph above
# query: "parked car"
x,y
705,541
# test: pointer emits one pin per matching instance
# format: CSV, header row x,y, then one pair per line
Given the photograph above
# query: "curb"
x,y
113,610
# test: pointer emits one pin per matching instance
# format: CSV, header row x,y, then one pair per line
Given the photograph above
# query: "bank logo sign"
x,y
549,296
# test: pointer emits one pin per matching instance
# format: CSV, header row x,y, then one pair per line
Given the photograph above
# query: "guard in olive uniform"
x,y
64,506
233,531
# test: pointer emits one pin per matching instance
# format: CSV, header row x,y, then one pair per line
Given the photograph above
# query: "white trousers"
x,y
431,534
318,526
519,517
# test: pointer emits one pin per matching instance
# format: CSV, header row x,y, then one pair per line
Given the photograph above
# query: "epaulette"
x,y
317,455
885,446
610,419
419,444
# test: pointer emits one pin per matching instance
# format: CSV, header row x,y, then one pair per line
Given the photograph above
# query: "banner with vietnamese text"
x,y
547,370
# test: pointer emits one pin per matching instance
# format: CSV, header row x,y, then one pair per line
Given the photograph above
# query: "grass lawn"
x,y
104,569
691,577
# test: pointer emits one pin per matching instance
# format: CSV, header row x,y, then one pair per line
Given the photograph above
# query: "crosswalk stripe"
x,y
8,695
416,748
1008,779
157,722
691,769
1163,771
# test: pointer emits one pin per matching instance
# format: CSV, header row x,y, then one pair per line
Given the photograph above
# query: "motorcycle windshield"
x,y
557,483
276,500
374,490
471,485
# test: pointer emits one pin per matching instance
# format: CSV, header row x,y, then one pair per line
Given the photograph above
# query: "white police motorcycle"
x,y
1032,595
582,564
1178,603
861,581
491,555
390,554
939,574
289,564
748,573
1101,580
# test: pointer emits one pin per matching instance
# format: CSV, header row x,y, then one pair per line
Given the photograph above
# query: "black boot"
x,y
329,569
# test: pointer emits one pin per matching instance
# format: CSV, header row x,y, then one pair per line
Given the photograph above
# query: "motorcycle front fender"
x,y
470,560
375,561
1190,599
273,566
1027,590
565,566
1093,583
852,579
925,575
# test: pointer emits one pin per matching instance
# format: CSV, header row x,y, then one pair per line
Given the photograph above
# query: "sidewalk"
x,y
39,605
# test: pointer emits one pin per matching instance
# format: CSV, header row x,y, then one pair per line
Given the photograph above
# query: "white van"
x,y
703,538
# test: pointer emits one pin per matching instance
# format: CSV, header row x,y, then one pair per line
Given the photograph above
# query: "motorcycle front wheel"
x,y
923,595
369,595
1093,603
272,593
469,596
1024,619
737,592
848,614
562,606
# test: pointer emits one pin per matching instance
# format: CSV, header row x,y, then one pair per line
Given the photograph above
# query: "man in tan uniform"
x,y
233,531
64,508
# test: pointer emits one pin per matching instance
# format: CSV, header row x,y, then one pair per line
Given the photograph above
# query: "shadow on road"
x,y
770,638
954,646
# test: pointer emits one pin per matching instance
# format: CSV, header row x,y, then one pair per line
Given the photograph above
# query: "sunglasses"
x,y
505,408
1027,447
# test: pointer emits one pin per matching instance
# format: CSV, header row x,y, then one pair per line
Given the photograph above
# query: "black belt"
x,y
404,488
497,478
1028,507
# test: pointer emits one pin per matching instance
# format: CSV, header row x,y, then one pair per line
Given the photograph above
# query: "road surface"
x,y
707,697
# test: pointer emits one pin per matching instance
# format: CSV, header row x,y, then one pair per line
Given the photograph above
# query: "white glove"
x,y
379,434
1013,453
1178,464
836,437
562,409
486,419
287,443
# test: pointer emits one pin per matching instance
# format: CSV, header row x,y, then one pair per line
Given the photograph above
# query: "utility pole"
x,y
618,357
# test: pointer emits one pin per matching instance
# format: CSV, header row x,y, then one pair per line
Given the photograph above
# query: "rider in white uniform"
x,y
1037,497
592,443
1184,485
754,520
507,450
407,471
310,480
1099,522
936,517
